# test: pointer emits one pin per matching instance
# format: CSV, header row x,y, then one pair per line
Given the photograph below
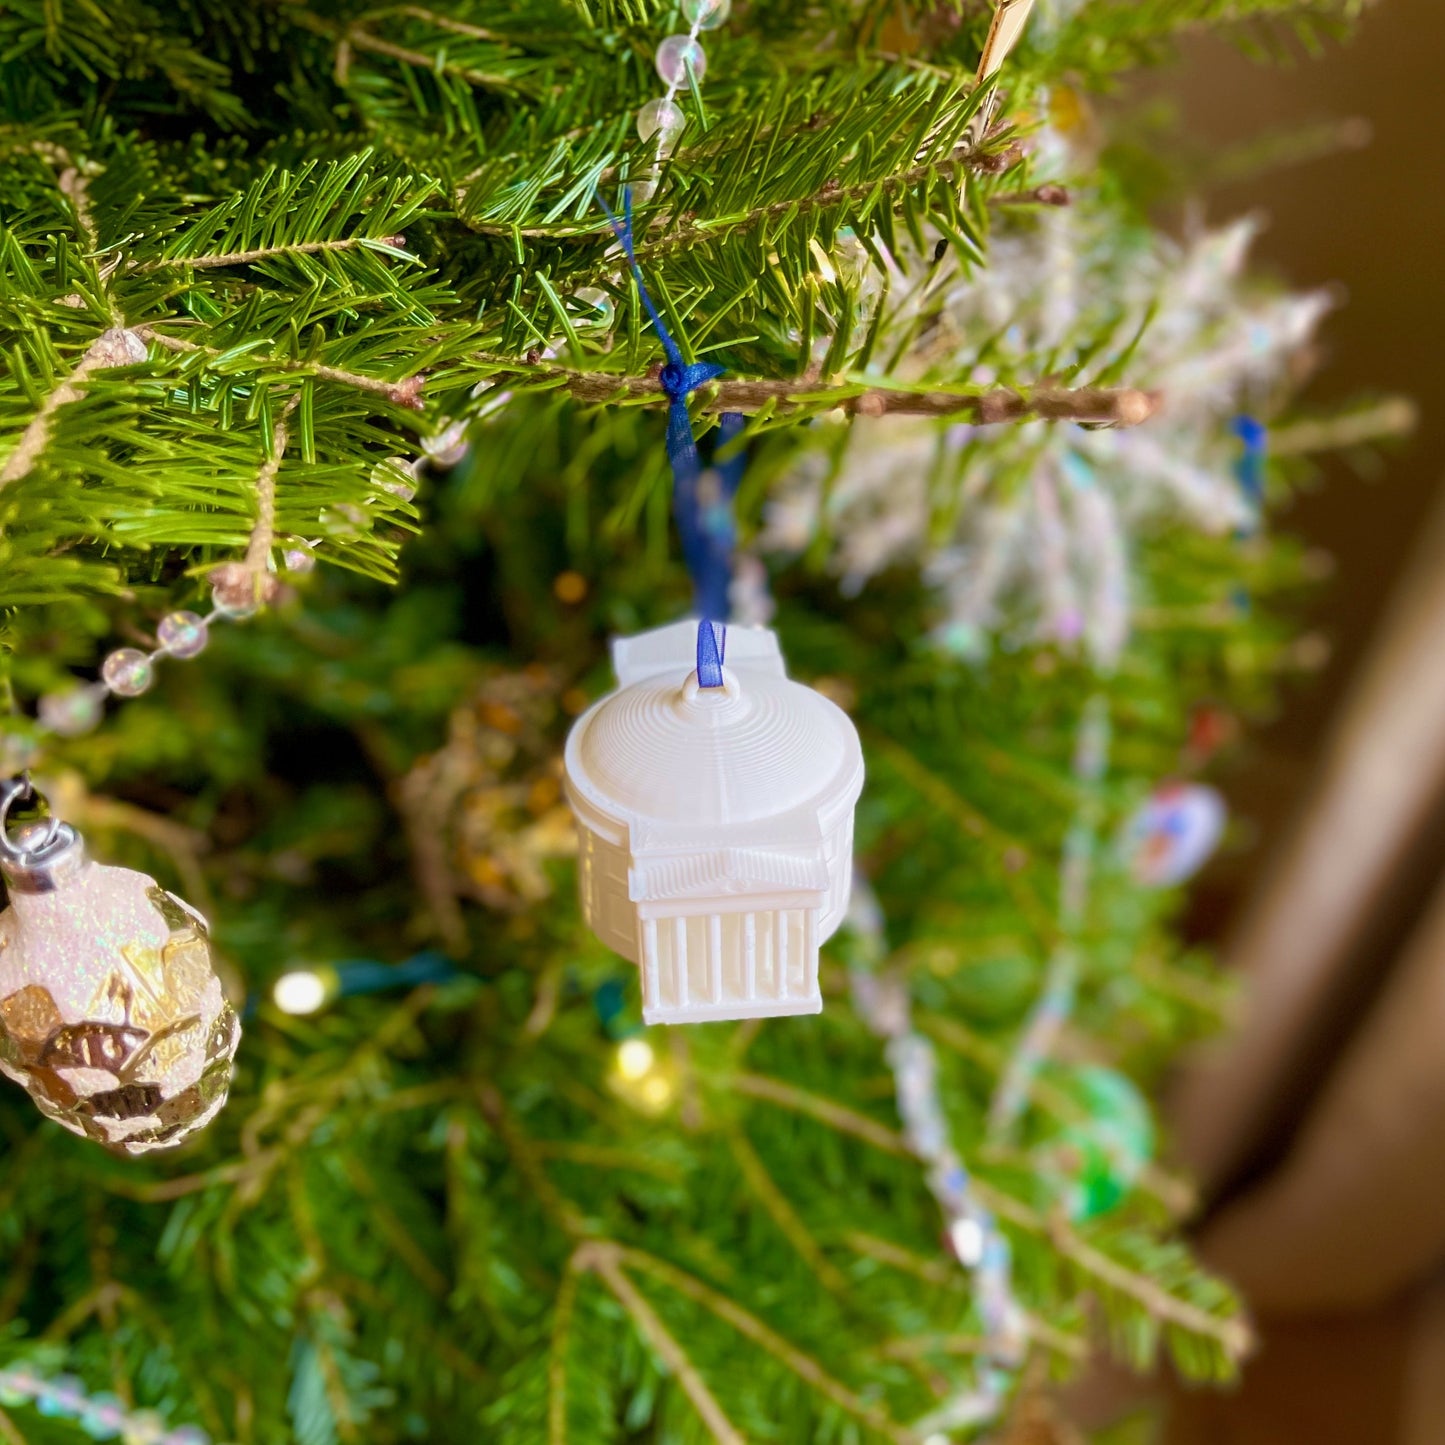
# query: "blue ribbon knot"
x,y
702,498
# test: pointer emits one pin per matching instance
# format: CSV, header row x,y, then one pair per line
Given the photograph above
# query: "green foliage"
x,y
250,256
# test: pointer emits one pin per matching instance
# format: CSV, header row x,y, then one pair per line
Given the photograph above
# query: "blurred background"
x,y
1318,1127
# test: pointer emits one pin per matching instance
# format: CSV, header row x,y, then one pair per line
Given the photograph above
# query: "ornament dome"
x,y
669,752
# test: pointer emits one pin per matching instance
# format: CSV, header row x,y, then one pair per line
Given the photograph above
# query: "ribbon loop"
x,y
702,498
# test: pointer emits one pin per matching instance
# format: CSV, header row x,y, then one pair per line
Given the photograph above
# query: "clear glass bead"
x,y
707,14
663,119
18,751
345,521
127,672
676,56
72,713
183,634
232,602
145,1427
189,1435
238,591
643,190
597,307
396,475
101,1419
299,559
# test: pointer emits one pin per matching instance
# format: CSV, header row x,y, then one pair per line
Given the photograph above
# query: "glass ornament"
x,y
183,634
299,560
676,56
1173,834
112,1016
1108,1147
706,14
128,671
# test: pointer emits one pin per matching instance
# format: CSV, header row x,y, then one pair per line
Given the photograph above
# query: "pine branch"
x,y
108,349
776,1203
1101,406
605,1261
1233,1335
263,253
890,189
1177,1195
562,1312
825,1111
750,1327
406,393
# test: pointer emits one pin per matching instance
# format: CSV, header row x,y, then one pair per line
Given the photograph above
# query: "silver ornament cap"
x,y
112,1015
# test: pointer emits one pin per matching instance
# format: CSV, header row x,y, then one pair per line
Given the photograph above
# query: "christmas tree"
x,y
292,284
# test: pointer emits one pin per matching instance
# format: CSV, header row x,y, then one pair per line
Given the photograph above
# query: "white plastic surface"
x,y
716,826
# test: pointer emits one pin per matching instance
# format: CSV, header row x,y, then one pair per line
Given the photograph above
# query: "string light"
x,y
642,1079
301,991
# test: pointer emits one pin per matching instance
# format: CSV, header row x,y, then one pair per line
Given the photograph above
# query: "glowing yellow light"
x,y
634,1059
301,992
657,1092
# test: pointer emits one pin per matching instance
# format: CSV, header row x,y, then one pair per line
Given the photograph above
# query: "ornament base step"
x,y
710,1013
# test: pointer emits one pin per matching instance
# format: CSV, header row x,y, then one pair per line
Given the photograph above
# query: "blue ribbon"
x,y
1249,469
702,500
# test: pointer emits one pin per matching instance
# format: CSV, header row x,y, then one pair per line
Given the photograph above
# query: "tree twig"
x,y
1096,405
405,393
262,253
825,1111
752,1328
781,1210
1234,1336
110,348
557,1353
605,1261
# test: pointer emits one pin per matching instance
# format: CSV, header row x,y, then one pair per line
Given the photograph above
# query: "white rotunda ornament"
x,y
716,825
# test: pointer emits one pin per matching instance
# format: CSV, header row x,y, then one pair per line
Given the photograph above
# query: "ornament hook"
x,y
12,791
29,857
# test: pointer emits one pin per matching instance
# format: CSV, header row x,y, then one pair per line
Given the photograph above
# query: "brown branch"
x,y
263,534
108,349
781,1210
445,22
1393,417
1097,405
752,1328
353,37
568,1218
604,1260
930,1271
263,253
557,1353
965,158
405,393
670,238
603,1156
1234,1336
914,1347
1177,1195
825,1111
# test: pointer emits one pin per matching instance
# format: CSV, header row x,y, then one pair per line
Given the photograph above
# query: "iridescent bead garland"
x,y
680,61
881,1001
1056,1002
130,671
101,1416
